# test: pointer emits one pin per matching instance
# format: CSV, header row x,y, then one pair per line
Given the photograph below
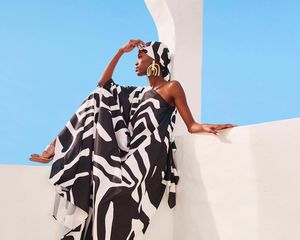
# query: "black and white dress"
x,y
113,160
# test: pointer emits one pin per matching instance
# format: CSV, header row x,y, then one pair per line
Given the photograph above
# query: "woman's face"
x,y
142,63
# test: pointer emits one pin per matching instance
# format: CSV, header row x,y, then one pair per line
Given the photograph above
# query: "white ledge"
x,y
242,184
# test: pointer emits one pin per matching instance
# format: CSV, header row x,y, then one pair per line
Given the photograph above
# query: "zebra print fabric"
x,y
113,160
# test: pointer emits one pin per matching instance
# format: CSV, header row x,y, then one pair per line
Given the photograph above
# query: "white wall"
x,y
27,200
243,184
26,203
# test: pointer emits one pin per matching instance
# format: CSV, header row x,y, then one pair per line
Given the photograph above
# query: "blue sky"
x,y
250,61
53,52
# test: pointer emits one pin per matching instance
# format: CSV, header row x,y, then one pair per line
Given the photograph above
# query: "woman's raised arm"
x,y
107,74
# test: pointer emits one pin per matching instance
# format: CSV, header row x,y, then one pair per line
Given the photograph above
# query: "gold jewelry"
x,y
153,69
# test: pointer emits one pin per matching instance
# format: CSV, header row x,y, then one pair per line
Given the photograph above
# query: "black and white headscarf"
x,y
160,53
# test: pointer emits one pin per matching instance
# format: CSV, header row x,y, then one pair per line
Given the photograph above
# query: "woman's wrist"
x,y
196,127
201,129
121,51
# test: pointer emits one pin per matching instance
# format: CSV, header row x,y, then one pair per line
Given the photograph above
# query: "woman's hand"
x,y
213,128
131,45
108,72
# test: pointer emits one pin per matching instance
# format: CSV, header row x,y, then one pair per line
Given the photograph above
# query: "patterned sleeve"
x,y
110,85
127,97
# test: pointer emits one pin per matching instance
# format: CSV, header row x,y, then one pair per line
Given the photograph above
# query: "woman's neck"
x,y
155,81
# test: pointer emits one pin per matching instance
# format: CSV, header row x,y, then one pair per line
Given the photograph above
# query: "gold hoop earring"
x,y
153,69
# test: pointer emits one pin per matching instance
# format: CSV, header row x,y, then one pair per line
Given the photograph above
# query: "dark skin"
x,y
171,91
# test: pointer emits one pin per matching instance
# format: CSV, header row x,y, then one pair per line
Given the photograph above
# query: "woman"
x,y
114,159
171,90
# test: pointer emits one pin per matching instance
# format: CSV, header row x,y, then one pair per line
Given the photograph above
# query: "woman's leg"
x,y
88,102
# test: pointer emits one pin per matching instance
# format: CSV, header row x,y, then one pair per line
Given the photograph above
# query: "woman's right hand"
x,y
131,45
213,128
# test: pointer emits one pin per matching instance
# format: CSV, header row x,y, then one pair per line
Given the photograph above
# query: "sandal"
x,y
46,156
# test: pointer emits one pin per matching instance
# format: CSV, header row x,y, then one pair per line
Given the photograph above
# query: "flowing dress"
x,y
113,161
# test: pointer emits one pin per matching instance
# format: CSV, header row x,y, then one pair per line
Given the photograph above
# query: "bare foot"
x,y
46,156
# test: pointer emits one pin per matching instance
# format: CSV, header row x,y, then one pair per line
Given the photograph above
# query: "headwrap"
x,y
161,54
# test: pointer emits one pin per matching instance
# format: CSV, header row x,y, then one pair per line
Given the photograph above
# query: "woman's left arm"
x,y
177,93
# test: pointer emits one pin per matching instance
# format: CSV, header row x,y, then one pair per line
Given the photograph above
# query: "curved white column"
x,y
179,26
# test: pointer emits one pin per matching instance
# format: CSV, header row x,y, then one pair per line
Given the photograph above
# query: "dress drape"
x,y
113,161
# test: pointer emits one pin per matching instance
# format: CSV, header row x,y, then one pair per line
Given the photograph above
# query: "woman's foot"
x,y
46,156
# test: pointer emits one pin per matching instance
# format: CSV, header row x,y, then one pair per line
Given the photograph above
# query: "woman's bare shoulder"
x,y
174,84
